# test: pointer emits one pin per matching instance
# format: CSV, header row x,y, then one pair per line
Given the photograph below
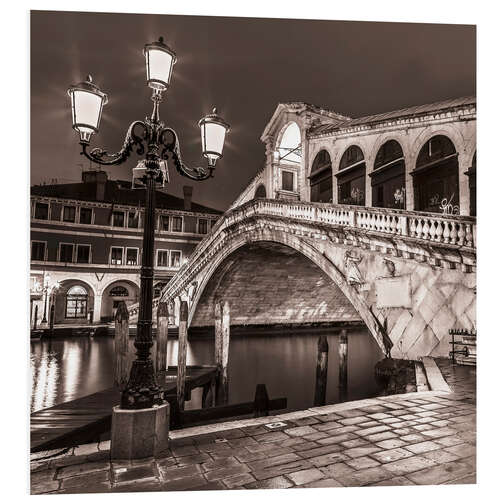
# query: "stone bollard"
x,y
121,344
343,365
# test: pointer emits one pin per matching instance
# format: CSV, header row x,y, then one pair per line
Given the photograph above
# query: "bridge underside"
x,y
269,283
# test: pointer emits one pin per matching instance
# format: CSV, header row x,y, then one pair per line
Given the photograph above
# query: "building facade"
x,y
421,158
86,241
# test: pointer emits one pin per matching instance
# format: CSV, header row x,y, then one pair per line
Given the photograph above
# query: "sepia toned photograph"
x,y
252,253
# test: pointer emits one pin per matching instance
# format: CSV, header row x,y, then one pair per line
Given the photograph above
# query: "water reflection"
x,y
67,369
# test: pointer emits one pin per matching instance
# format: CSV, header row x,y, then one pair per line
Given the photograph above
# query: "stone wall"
x,y
267,283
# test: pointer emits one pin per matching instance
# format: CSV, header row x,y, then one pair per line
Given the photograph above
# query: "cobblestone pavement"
x,y
409,439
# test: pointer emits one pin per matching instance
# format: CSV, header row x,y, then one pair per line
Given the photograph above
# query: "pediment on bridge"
x,y
310,114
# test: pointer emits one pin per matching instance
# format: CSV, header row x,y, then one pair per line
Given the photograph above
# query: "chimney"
x,y
99,177
188,194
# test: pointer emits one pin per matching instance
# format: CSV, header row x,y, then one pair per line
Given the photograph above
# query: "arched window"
x,y
435,178
118,291
260,192
351,177
471,172
388,177
289,149
76,302
321,178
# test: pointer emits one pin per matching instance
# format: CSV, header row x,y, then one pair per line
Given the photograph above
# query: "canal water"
x,y
73,367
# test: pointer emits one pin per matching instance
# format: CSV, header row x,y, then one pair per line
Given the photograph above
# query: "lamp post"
x,y
158,144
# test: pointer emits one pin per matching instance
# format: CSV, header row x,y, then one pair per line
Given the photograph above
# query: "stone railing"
x,y
456,230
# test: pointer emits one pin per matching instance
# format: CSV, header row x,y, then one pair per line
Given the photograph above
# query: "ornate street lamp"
x,y
157,143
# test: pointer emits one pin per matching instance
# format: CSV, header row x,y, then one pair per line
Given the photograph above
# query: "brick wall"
x,y
267,283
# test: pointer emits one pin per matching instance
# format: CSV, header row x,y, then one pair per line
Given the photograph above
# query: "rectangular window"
x,y
287,181
177,224
118,219
116,255
83,254
69,214
66,252
132,254
162,258
38,250
133,219
164,222
41,211
175,258
202,226
85,215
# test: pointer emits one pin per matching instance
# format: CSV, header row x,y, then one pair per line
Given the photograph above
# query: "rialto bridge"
x,y
367,219
409,276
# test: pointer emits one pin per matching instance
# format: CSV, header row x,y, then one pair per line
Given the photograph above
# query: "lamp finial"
x,y
89,78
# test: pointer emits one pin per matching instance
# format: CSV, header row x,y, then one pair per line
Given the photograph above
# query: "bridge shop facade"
x,y
369,219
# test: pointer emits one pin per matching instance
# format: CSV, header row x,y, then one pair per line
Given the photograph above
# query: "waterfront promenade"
x,y
417,438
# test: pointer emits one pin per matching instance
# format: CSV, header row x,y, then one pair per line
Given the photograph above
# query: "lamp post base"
x,y
139,433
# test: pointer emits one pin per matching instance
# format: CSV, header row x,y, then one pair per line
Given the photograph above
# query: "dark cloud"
x,y
244,66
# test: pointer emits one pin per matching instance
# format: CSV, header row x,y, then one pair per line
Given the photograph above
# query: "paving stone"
x,y
374,409
336,470
84,468
422,447
182,451
362,463
88,488
255,430
342,430
325,426
185,483
273,436
449,441
380,416
83,482
169,474
373,430
462,450
391,455
337,439
361,451
437,433
325,483
382,436
440,473
301,431
305,476
43,487
269,462
242,441
413,438
395,481
423,427
212,485
407,465
320,450
365,476
402,425
370,423
308,445
279,470
305,421
238,480
44,475
225,472
221,462
402,432
315,436
213,447
354,443
440,456
275,482
441,423
263,455
187,460
354,420
287,443
331,458
227,452
350,413
391,443
330,417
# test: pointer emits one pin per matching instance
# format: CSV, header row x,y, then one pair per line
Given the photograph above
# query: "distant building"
x,y
86,241
417,158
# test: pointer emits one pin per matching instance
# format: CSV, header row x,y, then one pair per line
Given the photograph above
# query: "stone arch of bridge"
x,y
310,252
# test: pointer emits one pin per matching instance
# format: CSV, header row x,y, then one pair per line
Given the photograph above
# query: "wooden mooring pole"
x,y
343,365
161,337
35,319
121,344
321,372
51,318
222,333
181,355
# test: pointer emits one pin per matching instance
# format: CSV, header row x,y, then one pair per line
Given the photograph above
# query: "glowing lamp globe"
x,y
87,101
213,133
160,60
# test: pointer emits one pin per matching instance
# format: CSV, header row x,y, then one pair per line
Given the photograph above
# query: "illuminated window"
x,y
76,302
116,255
175,258
162,258
132,254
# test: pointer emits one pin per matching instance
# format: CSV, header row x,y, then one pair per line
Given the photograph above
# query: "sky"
x,y
244,66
